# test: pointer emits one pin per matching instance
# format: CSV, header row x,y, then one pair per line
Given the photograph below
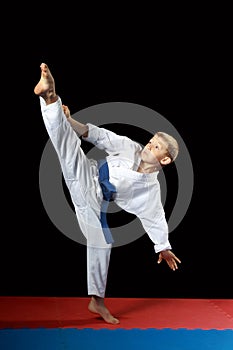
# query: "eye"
x,y
155,146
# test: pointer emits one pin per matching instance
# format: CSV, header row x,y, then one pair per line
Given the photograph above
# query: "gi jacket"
x,y
136,193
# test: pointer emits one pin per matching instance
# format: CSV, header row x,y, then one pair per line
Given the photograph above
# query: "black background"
x,y
174,68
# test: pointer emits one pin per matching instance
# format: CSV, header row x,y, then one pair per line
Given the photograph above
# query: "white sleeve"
x,y
157,230
107,140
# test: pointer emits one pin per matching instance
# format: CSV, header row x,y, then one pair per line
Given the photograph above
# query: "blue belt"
x,y
108,195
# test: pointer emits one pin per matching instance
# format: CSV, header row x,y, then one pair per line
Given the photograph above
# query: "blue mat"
x,y
119,339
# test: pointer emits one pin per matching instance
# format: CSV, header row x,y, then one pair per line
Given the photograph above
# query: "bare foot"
x,y
97,306
46,85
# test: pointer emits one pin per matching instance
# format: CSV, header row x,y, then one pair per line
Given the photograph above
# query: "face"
x,y
155,151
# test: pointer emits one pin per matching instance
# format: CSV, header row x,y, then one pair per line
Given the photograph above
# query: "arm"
x,y
80,128
157,230
100,137
109,141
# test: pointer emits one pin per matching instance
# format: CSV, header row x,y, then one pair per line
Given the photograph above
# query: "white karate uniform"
x,y
137,193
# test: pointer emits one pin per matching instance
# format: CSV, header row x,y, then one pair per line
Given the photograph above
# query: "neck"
x,y
147,168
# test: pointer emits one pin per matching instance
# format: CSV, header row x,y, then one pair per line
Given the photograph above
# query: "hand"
x,y
170,258
66,111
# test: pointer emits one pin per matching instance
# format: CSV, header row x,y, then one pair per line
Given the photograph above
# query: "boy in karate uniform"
x,y
131,170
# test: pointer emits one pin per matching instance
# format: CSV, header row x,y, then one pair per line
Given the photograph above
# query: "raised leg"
x,y
67,145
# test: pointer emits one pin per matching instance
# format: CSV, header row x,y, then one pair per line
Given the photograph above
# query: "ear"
x,y
165,160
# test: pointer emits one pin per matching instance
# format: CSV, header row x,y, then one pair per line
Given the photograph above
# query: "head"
x,y
161,150
171,146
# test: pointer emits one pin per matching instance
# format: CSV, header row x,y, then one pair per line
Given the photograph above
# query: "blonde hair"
x,y
171,143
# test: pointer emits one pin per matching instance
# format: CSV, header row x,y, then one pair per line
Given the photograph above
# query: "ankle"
x,y
50,98
96,299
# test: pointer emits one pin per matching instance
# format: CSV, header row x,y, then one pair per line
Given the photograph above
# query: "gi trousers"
x,y
81,177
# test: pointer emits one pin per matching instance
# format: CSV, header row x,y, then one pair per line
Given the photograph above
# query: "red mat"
x,y
71,312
